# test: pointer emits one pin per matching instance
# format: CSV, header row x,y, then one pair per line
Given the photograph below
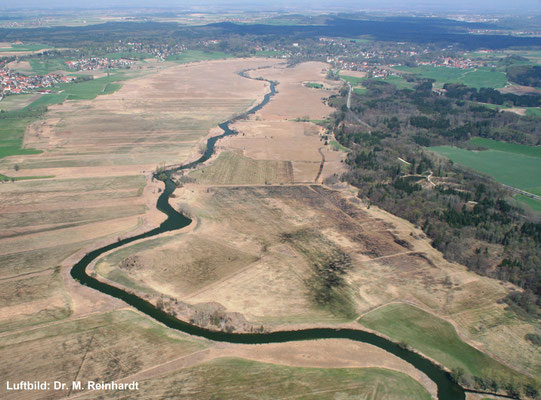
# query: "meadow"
x,y
437,339
197,55
12,131
513,168
478,78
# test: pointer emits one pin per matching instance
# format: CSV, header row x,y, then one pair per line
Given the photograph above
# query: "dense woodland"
x,y
470,218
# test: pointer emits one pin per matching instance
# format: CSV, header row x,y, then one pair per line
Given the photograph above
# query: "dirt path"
x,y
321,165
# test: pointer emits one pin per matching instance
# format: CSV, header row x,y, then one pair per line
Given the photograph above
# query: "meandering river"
x,y
447,389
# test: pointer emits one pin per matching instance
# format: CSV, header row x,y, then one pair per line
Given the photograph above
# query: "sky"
x,y
522,6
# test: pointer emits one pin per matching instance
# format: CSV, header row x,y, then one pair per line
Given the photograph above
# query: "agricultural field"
x,y
106,346
514,165
17,102
97,153
230,378
197,55
233,168
481,77
520,171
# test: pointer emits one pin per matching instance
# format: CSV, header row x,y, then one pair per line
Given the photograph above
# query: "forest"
x,y
469,217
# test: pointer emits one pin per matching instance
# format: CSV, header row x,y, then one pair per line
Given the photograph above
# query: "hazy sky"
x,y
523,6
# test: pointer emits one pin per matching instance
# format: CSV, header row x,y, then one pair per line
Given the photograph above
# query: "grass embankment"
x,y
197,55
231,377
437,339
476,78
511,164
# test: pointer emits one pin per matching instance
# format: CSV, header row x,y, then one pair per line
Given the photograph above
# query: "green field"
x,y
16,101
511,166
23,178
128,54
531,151
48,65
352,79
313,85
86,90
534,112
11,136
26,47
532,204
481,77
229,378
437,339
337,146
197,55
14,123
397,81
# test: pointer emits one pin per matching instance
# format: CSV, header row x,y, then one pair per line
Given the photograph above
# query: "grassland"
x,y
12,131
48,65
231,168
481,77
352,79
197,55
509,164
24,47
437,339
313,85
22,178
15,102
534,112
86,90
531,151
337,146
397,81
100,347
231,378
131,55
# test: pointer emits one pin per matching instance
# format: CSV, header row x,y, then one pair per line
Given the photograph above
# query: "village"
x,y
88,64
15,83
